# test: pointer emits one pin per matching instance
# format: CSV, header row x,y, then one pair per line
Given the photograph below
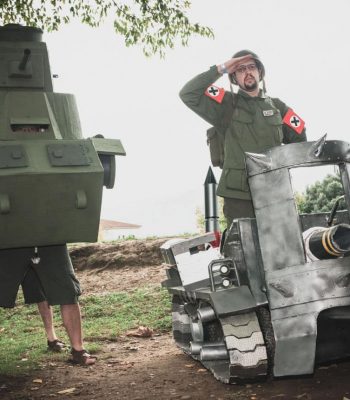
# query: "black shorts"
x,y
33,292
55,274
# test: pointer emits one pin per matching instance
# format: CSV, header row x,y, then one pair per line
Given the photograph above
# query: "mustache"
x,y
250,76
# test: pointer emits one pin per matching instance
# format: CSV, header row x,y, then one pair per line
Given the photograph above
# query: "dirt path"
x,y
153,368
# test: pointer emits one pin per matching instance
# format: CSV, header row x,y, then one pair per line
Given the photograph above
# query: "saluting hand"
x,y
232,64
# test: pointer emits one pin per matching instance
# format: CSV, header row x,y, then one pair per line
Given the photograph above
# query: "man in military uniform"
x,y
248,121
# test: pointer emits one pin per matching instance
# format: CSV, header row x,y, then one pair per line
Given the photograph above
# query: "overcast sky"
x,y
304,46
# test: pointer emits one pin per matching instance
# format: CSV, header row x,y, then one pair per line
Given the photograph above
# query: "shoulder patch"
x,y
215,93
294,121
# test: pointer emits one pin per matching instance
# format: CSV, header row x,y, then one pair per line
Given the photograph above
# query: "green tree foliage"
x,y
153,24
321,196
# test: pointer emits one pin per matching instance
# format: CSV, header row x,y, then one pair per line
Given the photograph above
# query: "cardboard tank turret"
x,y
274,300
51,177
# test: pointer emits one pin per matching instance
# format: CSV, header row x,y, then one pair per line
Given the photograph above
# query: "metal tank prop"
x,y
268,302
51,177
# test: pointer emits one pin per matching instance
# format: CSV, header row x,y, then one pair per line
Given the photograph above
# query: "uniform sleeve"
x,y
290,135
193,94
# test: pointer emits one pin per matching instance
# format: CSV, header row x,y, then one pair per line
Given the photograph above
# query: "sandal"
x,y
82,357
56,346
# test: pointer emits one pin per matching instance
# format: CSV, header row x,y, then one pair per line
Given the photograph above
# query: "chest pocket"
x,y
242,116
242,124
274,123
274,119
256,132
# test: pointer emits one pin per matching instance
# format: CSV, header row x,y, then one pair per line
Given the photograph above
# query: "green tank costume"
x,y
248,124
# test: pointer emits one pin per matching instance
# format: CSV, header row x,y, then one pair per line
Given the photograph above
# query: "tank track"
x,y
181,324
241,335
246,347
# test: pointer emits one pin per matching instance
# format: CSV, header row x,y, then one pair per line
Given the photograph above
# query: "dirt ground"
x,y
152,368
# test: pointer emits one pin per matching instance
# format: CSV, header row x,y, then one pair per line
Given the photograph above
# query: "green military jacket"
x,y
249,124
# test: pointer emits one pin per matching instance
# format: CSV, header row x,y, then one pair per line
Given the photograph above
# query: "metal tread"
x,y
247,357
241,331
246,345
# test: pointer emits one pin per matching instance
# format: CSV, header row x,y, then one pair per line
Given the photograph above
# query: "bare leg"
x,y
71,318
47,316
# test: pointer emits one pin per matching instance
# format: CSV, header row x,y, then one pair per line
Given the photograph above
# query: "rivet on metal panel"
x,y
80,199
4,203
58,153
16,154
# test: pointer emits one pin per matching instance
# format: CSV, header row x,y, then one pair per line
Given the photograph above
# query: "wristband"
x,y
223,69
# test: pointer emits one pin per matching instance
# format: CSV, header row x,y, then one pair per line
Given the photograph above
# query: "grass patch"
x,y
106,317
22,337
22,340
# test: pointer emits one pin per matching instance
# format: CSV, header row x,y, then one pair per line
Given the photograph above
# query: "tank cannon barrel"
x,y
26,56
326,243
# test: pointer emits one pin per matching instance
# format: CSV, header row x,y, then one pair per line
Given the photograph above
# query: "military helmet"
x,y
255,57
